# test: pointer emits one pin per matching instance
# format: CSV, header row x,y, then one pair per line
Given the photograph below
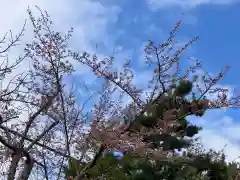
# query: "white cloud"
x,y
215,140
185,4
84,15
219,131
90,20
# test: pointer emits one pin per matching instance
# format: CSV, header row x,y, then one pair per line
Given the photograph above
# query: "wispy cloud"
x,y
90,20
217,141
155,4
220,132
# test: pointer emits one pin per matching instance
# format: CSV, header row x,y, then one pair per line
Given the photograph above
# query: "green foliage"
x,y
73,167
107,166
200,113
147,121
184,88
191,130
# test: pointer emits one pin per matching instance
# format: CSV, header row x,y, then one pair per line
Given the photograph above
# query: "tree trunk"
x,y
28,165
13,166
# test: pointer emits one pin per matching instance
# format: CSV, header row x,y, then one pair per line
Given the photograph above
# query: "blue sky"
x,y
127,25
